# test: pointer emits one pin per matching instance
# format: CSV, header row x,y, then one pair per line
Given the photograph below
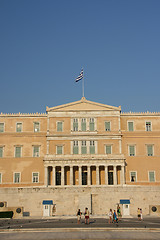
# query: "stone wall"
x,y
68,199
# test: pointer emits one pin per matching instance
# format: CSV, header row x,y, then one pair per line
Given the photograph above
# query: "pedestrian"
x,y
119,212
115,216
79,216
110,216
86,216
139,214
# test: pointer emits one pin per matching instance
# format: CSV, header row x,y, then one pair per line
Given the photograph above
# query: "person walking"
x,y
86,216
119,212
115,216
139,214
79,216
110,216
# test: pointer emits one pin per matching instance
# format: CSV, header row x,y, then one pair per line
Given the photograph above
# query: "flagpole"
x,y
83,85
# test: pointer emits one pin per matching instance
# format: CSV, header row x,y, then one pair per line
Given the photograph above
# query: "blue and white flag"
x,y
80,76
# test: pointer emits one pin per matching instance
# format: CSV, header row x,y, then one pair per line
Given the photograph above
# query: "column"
x,y
115,175
97,175
80,175
89,175
46,176
62,176
106,175
122,175
54,176
71,175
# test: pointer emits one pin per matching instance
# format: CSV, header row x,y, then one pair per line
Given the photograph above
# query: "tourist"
x,y
86,216
139,214
79,216
110,216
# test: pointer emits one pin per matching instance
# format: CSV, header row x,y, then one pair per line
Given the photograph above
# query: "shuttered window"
x,y
130,126
83,124
36,151
131,150
75,124
19,127
36,126
59,126
75,147
92,147
1,127
150,150
91,124
1,152
83,147
18,152
16,177
108,149
148,126
133,177
107,126
0,178
152,176
35,177
59,149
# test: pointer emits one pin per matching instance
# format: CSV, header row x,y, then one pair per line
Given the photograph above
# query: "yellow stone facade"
x,y
75,153
80,144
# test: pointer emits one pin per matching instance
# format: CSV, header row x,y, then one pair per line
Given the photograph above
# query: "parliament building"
x,y
80,154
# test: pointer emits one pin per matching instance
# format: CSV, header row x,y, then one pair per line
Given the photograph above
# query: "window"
x,y
16,177
0,178
149,150
148,126
151,176
130,127
131,150
108,149
36,126
75,124
59,149
133,176
107,126
35,177
1,152
75,147
18,152
1,127
91,124
83,148
36,151
19,127
59,126
83,124
92,147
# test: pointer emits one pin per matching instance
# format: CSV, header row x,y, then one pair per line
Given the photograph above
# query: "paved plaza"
x,y
67,228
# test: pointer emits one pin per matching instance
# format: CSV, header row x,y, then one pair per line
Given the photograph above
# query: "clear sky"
x,y
45,43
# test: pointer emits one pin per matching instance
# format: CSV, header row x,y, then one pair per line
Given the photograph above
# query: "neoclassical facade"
x,y
80,145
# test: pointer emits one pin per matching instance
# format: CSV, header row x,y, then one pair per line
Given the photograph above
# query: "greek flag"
x,y
80,76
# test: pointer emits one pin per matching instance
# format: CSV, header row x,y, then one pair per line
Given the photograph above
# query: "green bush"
x,y
6,214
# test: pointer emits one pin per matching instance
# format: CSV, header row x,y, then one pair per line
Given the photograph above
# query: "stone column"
x,y
122,175
54,176
62,176
115,175
46,176
80,175
106,175
71,175
97,175
89,175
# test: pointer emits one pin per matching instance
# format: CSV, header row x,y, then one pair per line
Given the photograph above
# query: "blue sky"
x,y
44,44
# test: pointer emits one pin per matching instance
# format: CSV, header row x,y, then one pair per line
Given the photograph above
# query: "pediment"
x,y
83,105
